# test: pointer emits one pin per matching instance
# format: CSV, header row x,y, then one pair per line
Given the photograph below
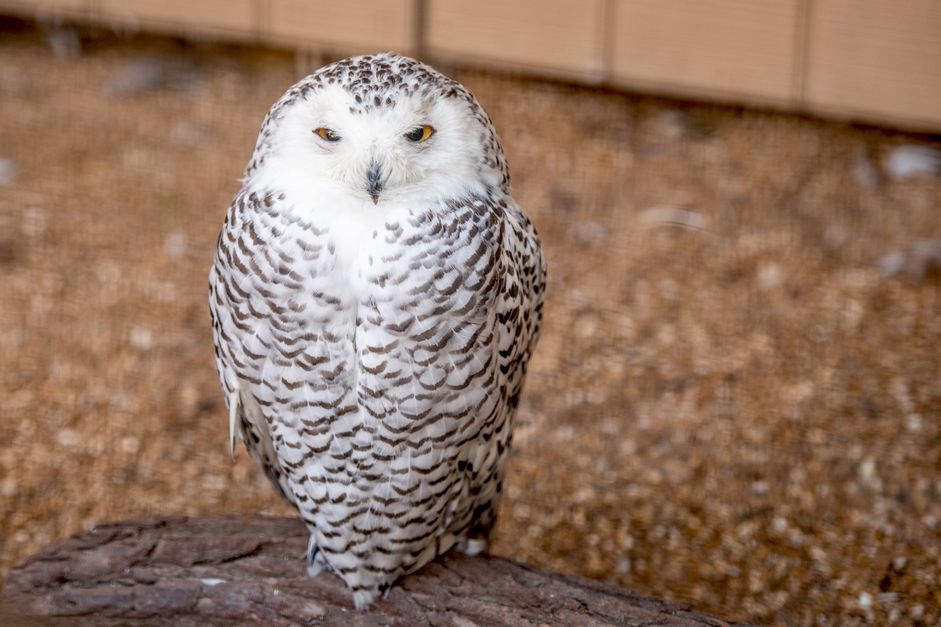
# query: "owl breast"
x,y
371,370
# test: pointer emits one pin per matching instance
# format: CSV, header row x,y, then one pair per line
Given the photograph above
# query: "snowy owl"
x,y
376,295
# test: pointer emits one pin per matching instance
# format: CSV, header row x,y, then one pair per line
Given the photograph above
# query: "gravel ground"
x,y
736,403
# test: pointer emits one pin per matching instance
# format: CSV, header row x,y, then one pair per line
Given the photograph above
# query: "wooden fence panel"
x,y
876,59
739,48
350,26
233,18
561,37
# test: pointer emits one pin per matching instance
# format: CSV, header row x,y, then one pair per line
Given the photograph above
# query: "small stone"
x,y
911,160
175,245
866,470
68,437
917,261
590,232
862,169
186,134
64,43
34,222
142,338
913,423
669,124
214,483
138,76
669,289
7,171
583,495
893,263
769,276
130,444
149,73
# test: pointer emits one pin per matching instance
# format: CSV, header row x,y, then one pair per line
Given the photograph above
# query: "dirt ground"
x,y
736,403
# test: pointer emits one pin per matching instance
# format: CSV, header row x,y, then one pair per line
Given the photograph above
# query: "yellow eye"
x,y
420,133
327,134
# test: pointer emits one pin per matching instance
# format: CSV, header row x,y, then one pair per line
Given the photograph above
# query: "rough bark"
x,y
243,570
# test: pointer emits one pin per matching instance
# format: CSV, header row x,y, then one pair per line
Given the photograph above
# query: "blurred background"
x,y
736,402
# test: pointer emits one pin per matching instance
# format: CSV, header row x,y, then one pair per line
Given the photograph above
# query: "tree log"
x,y
251,569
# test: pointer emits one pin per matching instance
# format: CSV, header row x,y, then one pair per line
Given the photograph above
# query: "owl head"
x,y
379,128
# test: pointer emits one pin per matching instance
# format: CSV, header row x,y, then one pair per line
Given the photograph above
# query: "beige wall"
x,y
354,25
731,48
876,60
555,37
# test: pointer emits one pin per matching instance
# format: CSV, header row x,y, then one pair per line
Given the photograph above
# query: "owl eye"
x,y
420,133
327,134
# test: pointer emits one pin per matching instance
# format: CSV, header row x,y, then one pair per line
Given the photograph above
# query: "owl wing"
x,y
233,311
521,299
521,271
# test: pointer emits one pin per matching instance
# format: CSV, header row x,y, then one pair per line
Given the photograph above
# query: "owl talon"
x,y
472,546
315,561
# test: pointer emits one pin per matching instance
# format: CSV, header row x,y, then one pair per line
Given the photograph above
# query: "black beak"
x,y
374,182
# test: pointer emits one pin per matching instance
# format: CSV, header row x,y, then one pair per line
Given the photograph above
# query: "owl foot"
x,y
362,599
472,546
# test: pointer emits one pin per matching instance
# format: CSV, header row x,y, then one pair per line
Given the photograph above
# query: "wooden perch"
x,y
239,570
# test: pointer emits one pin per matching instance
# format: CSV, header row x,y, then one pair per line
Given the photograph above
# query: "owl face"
x,y
411,145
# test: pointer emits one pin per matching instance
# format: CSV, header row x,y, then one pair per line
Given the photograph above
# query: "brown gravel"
x,y
731,406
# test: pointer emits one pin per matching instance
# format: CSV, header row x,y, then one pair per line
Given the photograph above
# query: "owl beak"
x,y
374,182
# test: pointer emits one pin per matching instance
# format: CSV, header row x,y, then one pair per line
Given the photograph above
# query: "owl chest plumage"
x,y
374,365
